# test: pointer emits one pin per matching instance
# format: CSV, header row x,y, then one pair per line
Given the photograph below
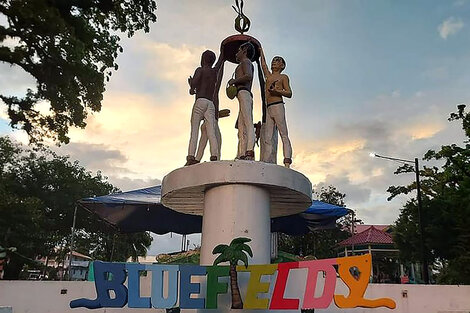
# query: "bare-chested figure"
x,y
203,85
277,86
243,81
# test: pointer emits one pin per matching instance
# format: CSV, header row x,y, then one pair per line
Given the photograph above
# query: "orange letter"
x,y
358,285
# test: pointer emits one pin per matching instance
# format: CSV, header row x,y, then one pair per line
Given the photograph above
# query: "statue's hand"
x,y
275,91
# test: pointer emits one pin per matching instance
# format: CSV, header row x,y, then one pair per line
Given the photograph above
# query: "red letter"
x,y
278,302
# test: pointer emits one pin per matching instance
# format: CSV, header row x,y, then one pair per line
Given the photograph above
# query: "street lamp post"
x,y
424,258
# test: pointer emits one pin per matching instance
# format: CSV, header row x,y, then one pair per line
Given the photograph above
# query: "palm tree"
x,y
233,253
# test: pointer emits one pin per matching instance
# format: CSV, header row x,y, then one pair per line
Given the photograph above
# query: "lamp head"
x,y
372,154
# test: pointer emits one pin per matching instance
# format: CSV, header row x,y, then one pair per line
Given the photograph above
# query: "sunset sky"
x,y
367,76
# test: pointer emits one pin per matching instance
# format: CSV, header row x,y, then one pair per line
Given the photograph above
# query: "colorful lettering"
x,y
326,266
158,301
108,276
358,285
133,274
112,293
187,288
278,302
214,287
255,286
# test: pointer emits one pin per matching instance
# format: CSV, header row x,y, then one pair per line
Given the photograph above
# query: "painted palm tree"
x,y
234,253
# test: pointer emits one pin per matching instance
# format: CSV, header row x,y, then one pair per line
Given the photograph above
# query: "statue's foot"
x,y
214,158
250,155
242,157
190,160
287,162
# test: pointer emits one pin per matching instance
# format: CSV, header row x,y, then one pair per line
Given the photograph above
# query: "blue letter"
x,y
133,285
108,276
187,288
158,301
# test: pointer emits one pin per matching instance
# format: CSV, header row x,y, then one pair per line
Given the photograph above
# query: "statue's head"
x,y
247,49
207,58
278,63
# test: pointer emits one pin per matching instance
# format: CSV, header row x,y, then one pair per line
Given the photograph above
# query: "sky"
x,y
367,76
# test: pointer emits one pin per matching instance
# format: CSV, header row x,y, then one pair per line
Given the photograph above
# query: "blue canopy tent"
x,y
141,210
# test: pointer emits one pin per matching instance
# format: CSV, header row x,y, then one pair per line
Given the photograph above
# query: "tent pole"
x,y
71,240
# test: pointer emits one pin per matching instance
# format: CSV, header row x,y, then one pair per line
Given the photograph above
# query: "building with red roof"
x,y
377,241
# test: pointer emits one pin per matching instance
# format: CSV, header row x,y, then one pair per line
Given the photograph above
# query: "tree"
x,y
233,253
320,243
69,47
446,210
39,190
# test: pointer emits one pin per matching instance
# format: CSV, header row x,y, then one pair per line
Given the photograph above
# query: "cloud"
x,y
95,157
111,162
437,73
459,3
171,243
14,81
127,184
450,27
355,193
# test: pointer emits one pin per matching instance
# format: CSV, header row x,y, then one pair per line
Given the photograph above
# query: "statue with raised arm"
x,y
243,81
203,85
277,86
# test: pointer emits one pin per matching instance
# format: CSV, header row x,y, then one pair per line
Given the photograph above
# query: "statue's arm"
x,y
194,81
286,90
264,66
220,61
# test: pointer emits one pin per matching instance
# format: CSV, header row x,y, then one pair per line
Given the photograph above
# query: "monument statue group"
x,y
205,85
237,201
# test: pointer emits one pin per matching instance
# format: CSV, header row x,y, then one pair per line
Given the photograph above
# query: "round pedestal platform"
x,y
183,189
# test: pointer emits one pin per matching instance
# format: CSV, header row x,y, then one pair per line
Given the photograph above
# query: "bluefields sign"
x,y
112,276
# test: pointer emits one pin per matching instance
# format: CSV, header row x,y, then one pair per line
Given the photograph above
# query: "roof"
x,y
141,210
78,254
360,228
371,235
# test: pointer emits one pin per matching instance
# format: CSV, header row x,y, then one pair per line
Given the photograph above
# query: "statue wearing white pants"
x,y
203,139
277,87
203,85
243,81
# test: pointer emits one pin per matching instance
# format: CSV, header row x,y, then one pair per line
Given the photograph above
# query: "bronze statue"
x,y
243,81
203,139
203,85
277,86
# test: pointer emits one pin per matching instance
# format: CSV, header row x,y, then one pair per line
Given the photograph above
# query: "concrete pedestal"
x,y
232,211
236,199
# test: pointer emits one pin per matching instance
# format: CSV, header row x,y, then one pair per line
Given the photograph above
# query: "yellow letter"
x,y
255,286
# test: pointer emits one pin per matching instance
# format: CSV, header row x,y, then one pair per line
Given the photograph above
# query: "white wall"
x,y
46,297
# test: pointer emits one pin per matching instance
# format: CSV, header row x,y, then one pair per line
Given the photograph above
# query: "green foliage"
x,y
446,210
320,243
234,252
69,47
39,190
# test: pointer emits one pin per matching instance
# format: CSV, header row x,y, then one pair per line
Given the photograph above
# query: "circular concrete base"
x,y
243,212
183,189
